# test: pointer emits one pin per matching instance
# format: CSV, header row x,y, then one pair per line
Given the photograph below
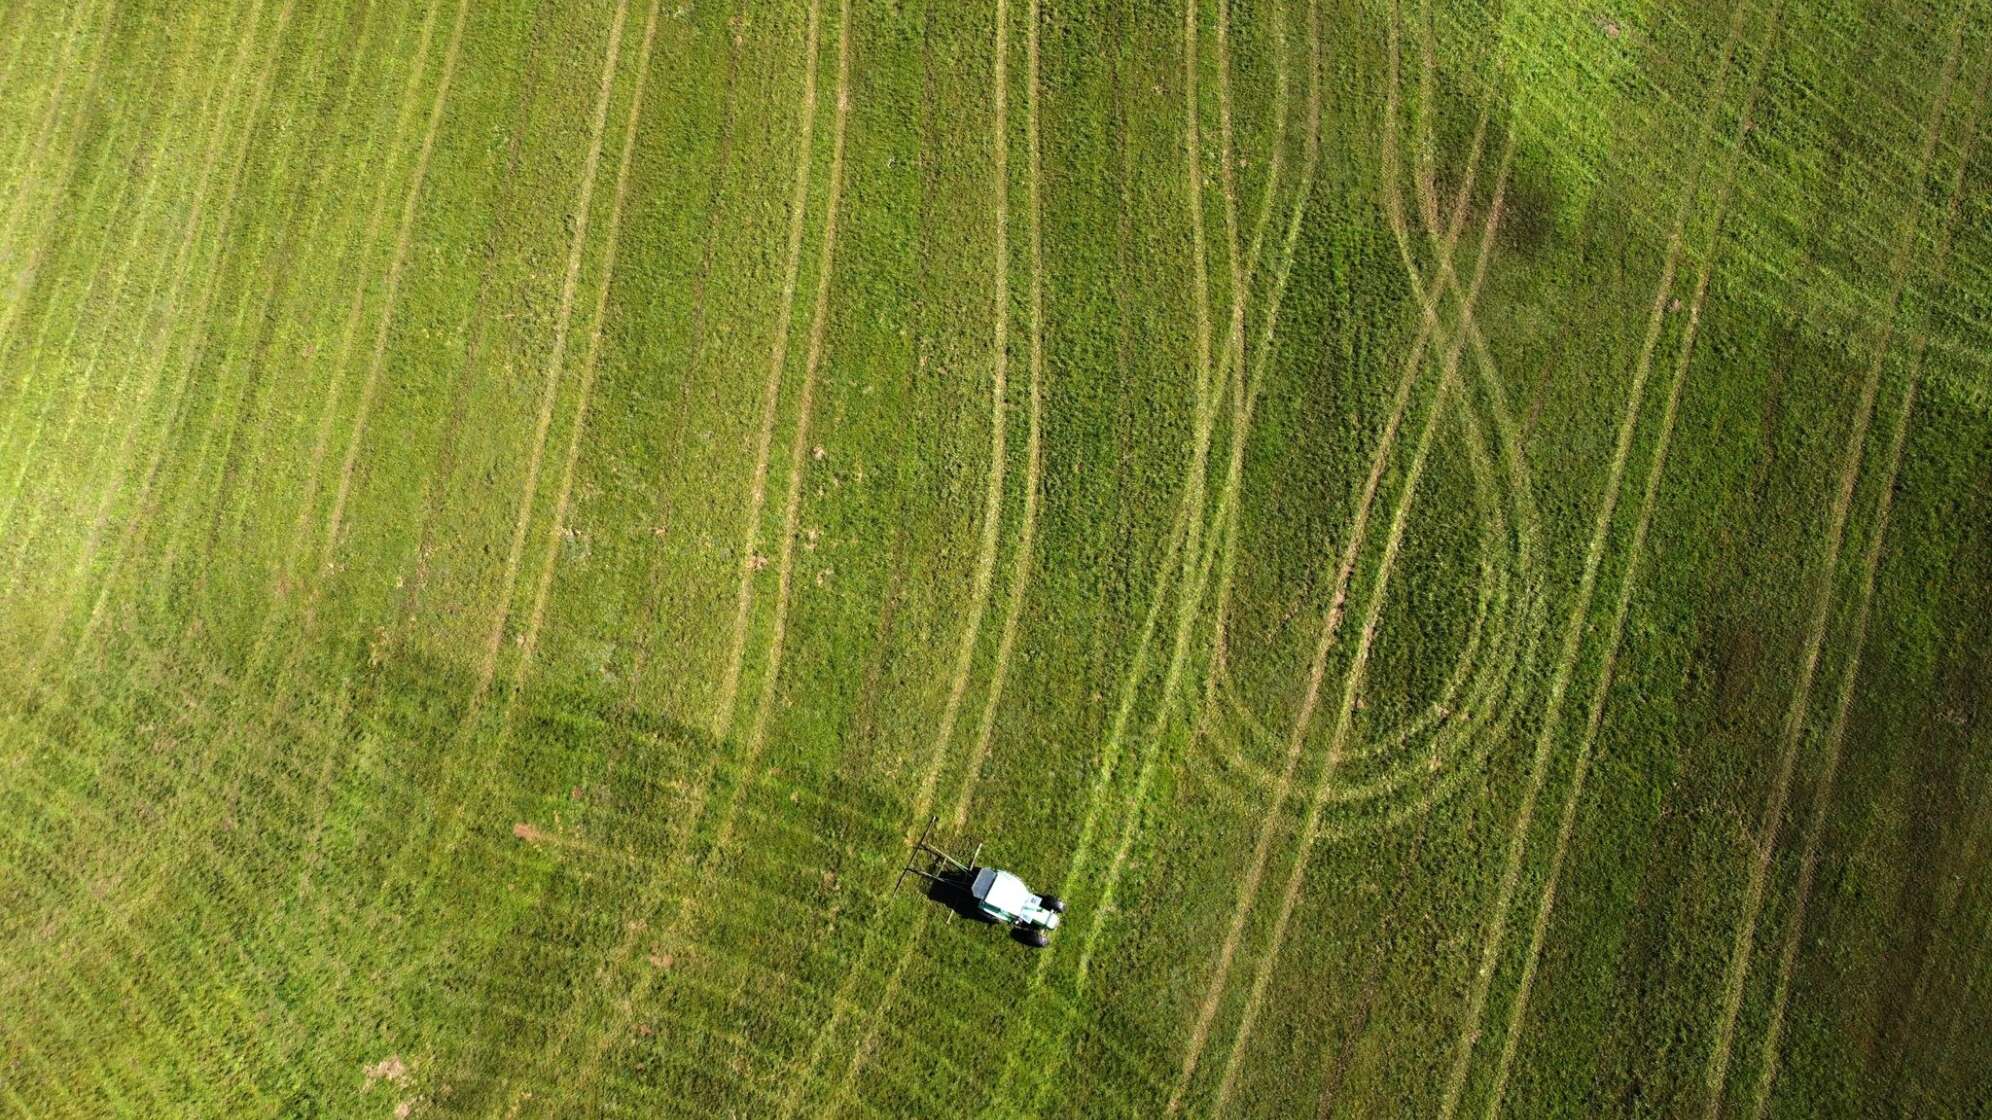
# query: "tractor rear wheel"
x,y
1053,903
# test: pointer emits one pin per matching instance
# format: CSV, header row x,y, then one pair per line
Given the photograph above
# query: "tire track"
x,y
251,358
550,388
145,507
1184,542
84,382
722,719
25,276
1228,503
38,140
675,933
390,299
144,396
285,586
1715,1076
1567,657
280,693
550,558
1027,532
37,352
1870,566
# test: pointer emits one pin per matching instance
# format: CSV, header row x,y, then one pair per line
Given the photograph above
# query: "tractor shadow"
x,y
951,891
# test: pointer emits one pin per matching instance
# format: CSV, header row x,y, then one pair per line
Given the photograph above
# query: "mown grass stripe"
x,y
1567,658
591,364
723,714
550,387
1716,1074
1857,640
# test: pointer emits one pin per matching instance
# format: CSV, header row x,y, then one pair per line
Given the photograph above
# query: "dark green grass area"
x,y
513,514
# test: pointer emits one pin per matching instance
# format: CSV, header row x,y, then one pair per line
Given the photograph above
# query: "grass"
x,y
1454,535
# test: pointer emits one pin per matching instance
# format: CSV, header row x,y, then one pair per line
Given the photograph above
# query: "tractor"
x,y
986,894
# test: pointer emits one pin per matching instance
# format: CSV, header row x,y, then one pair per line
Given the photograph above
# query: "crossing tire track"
x,y
676,933
550,558
550,387
1864,599
1249,886
722,719
1311,826
1246,386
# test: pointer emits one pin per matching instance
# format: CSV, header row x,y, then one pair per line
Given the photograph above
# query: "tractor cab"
x,y
1005,898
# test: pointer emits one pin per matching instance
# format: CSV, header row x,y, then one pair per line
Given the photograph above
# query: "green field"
x,y
1457,536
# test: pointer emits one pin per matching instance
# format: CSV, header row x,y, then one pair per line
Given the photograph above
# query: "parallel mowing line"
x,y
441,97
1311,828
799,201
82,383
1248,891
1594,720
999,391
30,270
1183,541
550,387
250,357
441,850
86,636
1835,735
1246,387
321,580
1716,1076
1027,534
36,355
475,319
550,557
140,517
31,173
1566,663
812,362
143,397
285,589
1245,392
729,688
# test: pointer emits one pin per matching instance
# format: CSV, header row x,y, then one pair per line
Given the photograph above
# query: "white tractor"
x,y
986,893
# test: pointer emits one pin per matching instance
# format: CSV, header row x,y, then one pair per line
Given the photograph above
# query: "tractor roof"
x,y
1001,890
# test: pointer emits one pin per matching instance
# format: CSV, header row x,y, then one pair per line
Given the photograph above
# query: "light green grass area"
x,y
1457,537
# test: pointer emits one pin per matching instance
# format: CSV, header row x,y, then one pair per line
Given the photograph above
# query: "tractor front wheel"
x,y
1035,938
1054,903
